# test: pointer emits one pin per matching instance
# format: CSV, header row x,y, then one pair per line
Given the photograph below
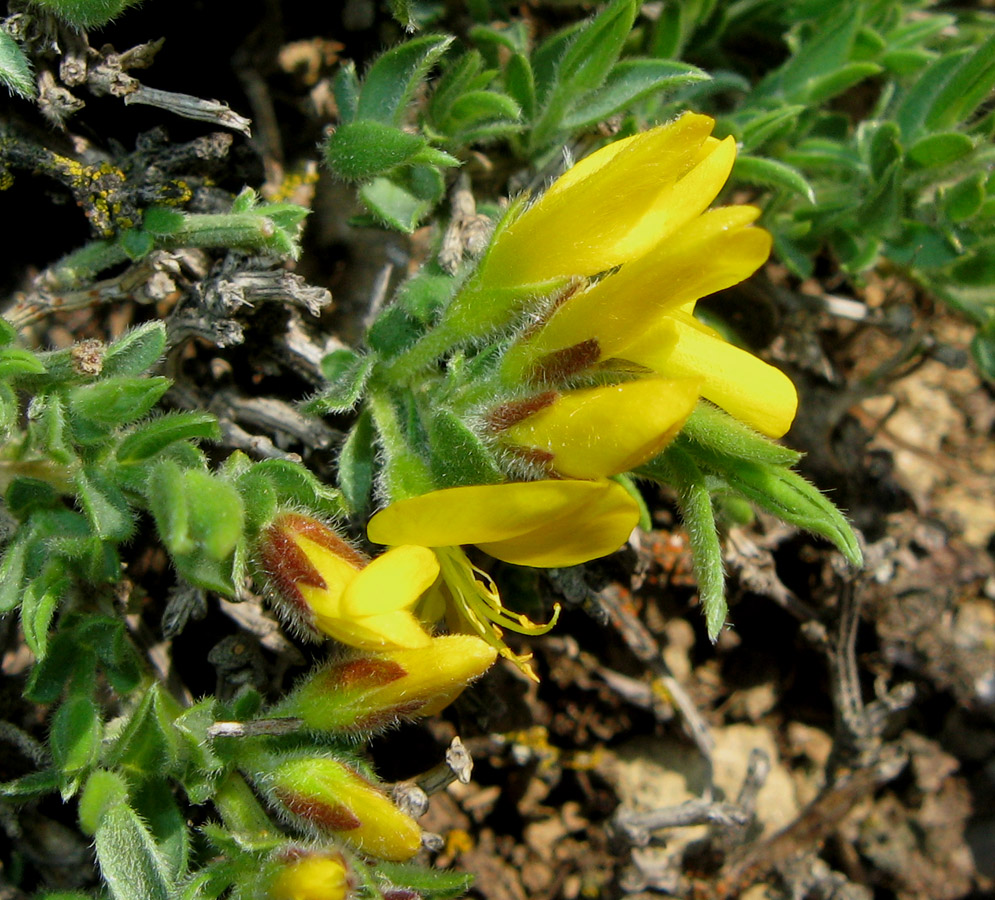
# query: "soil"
x,y
838,741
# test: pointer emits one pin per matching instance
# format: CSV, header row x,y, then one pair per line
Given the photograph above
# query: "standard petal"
x,y
743,385
392,581
600,527
601,431
476,513
398,629
717,250
583,224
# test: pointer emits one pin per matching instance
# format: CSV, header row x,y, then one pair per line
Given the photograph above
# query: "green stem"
x,y
425,351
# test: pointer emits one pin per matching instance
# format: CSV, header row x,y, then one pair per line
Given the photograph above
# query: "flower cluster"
x,y
617,362
594,361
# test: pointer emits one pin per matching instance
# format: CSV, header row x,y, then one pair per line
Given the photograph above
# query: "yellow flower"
x,y
634,214
328,586
306,875
536,523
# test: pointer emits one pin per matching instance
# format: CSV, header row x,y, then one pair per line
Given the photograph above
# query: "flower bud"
x,y
332,798
370,691
301,874
322,584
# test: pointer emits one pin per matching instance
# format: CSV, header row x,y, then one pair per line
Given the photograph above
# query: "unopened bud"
x,y
367,692
322,584
302,874
330,797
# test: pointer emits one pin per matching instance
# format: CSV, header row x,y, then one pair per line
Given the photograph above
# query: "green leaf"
x,y
915,106
401,11
16,361
297,485
976,269
34,785
771,173
968,87
904,63
785,494
168,504
108,638
583,66
394,77
590,57
75,735
403,200
150,438
827,86
823,53
759,128
964,199
520,84
15,68
49,429
940,149
883,204
356,464
678,468
477,107
28,494
154,801
117,400
885,148
105,505
363,149
136,243
433,884
41,599
8,334
12,574
628,82
345,87
715,429
163,220
148,746
86,13
457,455
216,516
103,791
133,867
346,373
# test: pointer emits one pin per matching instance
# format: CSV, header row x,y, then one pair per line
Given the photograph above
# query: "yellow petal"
x,y
386,631
717,250
601,431
679,203
334,570
322,602
600,527
583,224
743,385
487,512
392,581
313,877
